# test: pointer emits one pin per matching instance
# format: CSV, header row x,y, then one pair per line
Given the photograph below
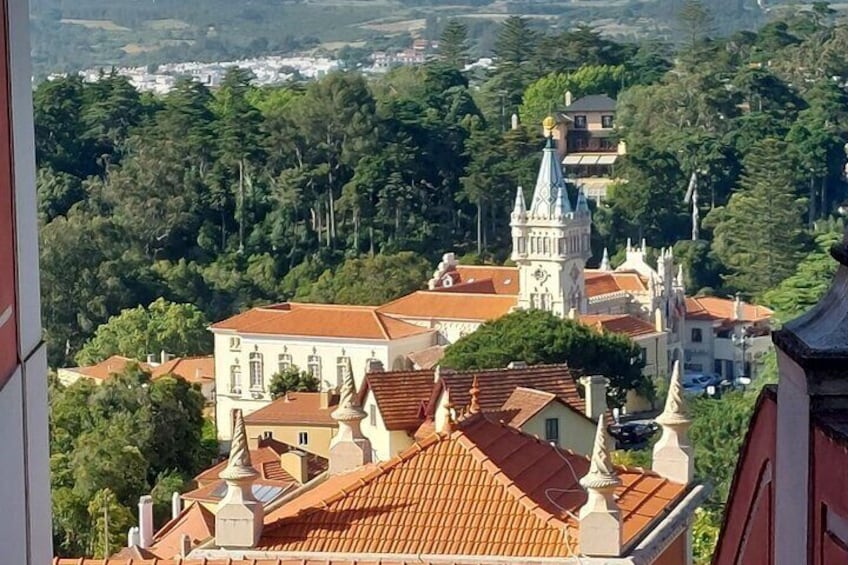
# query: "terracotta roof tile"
x,y
192,369
629,281
230,561
195,521
295,408
325,320
721,309
400,395
504,280
487,489
523,404
428,305
106,368
619,323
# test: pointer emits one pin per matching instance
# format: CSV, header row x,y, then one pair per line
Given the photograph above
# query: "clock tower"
x,y
550,240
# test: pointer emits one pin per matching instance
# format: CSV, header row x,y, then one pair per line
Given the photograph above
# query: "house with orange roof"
x,y
196,370
98,372
319,338
473,491
297,418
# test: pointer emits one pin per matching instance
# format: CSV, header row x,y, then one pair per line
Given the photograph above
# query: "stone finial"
x,y
673,454
239,516
349,449
600,518
605,261
519,211
239,466
474,391
448,424
680,281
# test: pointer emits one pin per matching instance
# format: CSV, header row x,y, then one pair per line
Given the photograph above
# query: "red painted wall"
x,y
829,500
8,316
747,536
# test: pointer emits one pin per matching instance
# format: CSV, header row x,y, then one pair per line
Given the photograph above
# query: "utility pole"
x,y
106,530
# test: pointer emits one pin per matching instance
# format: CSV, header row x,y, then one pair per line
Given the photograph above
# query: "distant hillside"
x,y
83,33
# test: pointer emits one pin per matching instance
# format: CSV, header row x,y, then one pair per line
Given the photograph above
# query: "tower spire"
x,y
519,211
582,204
605,261
547,201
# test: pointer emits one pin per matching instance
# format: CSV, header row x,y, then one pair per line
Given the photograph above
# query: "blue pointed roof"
x,y
550,184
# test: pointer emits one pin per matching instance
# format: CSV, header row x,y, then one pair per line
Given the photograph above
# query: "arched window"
x,y
284,362
235,379
256,380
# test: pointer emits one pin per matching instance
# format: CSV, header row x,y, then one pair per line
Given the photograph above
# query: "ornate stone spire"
x,y
349,449
474,391
239,466
448,423
605,261
519,211
600,517
673,453
239,516
547,203
601,473
582,204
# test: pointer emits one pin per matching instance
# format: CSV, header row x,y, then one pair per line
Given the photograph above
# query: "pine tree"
x,y
759,235
453,44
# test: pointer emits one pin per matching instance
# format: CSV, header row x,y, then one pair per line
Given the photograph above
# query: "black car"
x,y
632,435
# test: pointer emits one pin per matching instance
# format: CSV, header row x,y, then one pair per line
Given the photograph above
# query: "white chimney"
x,y
568,98
151,359
514,121
294,462
133,538
595,396
176,505
163,356
517,365
145,521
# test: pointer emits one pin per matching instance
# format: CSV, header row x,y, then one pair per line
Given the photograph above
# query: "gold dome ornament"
x,y
549,124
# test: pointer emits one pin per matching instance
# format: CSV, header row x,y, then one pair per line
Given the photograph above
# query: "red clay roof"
x,y
106,368
295,408
523,404
486,489
504,280
195,521
497,385
325,320
600,283
192,369
429,304
721,309
619,323
401,396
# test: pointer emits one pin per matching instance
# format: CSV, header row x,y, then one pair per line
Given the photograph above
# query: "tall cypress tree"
x,y
759,235
453,44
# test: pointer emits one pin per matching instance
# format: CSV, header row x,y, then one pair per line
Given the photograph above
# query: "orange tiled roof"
x,y
295,408
429,304
504,280
117,560
721,309
523,404
192,369
599,283
106,368
497,385
195,521
325,320
401,396
629,281
486,489
619,324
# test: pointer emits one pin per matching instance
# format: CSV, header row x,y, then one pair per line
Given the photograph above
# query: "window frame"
x,y
256,360
302,438
314,361
284,362
235,343
581,121
235,382
548,435
697,332
607,121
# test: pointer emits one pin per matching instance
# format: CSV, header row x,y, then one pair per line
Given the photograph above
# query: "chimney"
x,y
294,463
595,396
151,359
238,520
163,356
514,123
446,422
517,365
659,323
145,521
375,366
133,537
673,454
737,307
572,314
568,99
185,545
600,518
349,449
176,505
326,398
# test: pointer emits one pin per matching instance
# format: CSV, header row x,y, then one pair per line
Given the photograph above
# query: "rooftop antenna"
x,y
692,198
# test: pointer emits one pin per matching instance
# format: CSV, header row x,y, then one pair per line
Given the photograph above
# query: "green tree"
x,y
537,337
453,44
546,94
292,380
179,329
759,235
110,521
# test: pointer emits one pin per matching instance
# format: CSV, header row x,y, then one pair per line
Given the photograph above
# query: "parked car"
x,y
697,383
632,435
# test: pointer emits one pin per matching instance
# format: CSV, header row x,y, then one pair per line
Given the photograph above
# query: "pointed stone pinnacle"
x,y
601,473
239,466
674,412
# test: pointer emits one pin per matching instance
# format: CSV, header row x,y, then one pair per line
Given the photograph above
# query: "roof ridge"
x,y
378,317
